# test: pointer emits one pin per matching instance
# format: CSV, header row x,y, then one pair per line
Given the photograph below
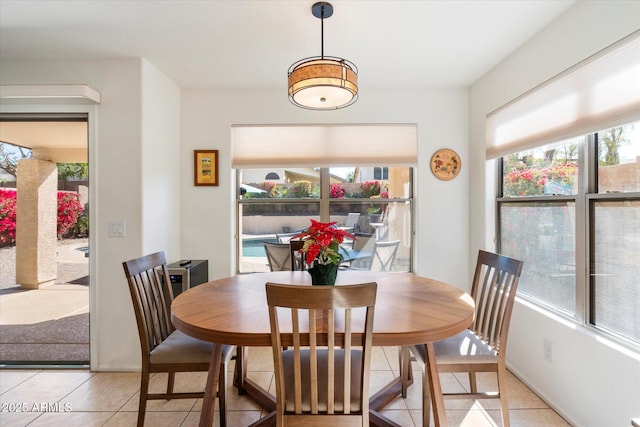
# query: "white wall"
x,y
134,175
208,215
160,163
120,181
591,381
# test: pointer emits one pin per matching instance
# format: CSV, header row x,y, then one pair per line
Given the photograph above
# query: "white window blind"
x,y
324,145
601,92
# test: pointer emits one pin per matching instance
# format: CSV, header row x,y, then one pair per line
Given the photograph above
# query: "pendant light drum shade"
x,y
323,83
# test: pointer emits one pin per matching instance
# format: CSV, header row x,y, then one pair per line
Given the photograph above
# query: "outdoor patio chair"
x,y
324,381
278,256
285,237
364,244
480,348
351,224
384,255
165,349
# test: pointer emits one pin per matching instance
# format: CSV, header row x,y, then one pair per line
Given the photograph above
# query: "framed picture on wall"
x,y
205,167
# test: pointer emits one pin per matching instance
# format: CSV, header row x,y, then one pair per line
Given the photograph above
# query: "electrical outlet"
x,y
548,351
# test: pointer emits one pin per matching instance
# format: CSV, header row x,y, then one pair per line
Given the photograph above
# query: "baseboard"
x,y
523,379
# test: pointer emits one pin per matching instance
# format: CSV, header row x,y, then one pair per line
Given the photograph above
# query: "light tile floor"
x,y
72,398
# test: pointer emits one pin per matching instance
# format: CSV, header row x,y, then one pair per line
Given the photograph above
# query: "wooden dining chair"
x,y
482,347
165,349
278,256
322,373
297,260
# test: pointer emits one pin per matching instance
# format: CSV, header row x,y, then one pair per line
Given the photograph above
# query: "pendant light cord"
x,y
322,32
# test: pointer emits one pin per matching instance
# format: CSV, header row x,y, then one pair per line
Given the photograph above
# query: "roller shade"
x,y
601,92
324,145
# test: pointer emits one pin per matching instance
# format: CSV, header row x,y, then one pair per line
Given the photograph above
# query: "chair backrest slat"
x,y
494,288
503,289
313,359
297,367
331,390
162,299
347,360
151,317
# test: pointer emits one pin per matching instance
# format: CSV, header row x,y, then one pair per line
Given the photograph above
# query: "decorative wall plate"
x,y
445,164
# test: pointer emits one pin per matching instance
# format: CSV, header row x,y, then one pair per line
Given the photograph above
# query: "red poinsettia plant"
x,y
322,242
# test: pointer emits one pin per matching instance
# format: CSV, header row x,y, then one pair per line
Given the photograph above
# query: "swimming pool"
x,y
255,248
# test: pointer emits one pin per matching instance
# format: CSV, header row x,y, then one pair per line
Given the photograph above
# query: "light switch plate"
x,y
117,229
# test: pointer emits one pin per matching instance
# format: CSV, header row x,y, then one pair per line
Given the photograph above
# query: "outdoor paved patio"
x,y
50,324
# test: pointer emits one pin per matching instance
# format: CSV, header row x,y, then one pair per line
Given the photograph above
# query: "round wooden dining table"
x,y
409,310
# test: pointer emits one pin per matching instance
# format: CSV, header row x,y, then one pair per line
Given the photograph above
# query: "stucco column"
x,y
36,220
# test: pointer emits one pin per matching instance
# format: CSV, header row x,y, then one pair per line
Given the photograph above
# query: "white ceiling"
x,y
252,43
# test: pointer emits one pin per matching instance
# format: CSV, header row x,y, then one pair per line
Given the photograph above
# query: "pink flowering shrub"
x,y
337,191
370,188
69,210
556,179
7,216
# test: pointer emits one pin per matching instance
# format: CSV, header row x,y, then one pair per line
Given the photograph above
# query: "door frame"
x,y
47,107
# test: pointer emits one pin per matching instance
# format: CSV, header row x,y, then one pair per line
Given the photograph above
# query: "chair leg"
x,y
426,397
222,394
144,391
171,379
240,370
502,389
404,357
473,383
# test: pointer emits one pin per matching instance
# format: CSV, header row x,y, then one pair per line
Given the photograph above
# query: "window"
x,y
568,199
272,176
537,220
326,172
615,283
371,209
380,173
549,196
614,210
549,252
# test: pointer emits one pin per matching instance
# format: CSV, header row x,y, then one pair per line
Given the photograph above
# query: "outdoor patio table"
x,y
409,310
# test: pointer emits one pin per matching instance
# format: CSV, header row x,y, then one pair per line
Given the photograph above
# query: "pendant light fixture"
x,y
323,82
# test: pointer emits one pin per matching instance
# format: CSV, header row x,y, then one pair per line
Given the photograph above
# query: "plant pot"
x,y
323,274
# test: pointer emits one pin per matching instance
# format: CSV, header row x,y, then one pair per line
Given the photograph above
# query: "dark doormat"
x,y
64,340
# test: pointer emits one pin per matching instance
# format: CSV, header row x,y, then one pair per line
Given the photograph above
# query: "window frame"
x,y
590,300
324,201
585,246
